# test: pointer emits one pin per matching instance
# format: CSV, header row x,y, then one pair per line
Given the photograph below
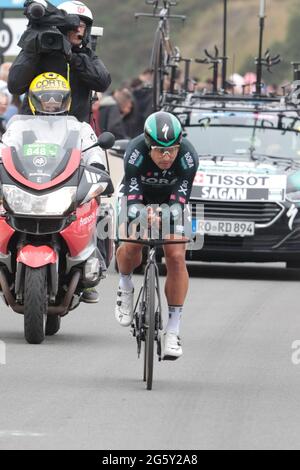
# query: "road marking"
x,y
20,434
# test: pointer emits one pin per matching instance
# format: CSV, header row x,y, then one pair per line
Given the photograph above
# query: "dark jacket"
x,y
110,118
143,98
87,73
133,122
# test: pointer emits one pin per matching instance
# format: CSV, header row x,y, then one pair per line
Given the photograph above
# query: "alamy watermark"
x,y
2,353
295,358
153,221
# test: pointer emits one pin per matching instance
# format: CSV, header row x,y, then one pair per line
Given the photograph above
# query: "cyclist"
x,y
160,167
50,94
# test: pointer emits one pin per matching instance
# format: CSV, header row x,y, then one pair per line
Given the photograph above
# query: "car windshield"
x,y
215,136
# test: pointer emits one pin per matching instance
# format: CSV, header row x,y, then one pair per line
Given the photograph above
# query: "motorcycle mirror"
x,y
106,140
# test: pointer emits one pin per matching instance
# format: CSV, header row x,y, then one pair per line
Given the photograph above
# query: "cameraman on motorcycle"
x,y
50,94
79,64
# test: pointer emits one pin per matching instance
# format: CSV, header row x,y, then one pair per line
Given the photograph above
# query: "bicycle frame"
x,y
147,318
141,299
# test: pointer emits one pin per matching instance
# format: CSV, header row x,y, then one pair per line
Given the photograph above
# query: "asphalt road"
x,y
236,386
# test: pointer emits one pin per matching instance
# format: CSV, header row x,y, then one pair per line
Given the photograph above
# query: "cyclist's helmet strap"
x,y
162,129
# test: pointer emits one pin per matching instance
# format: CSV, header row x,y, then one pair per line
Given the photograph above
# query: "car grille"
x,y
262,213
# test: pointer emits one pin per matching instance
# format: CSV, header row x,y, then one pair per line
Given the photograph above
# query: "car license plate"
x,y
232,228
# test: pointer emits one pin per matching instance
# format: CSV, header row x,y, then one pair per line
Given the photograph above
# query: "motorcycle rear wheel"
x,y
52,324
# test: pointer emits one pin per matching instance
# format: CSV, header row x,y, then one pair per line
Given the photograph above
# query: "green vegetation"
x,y
126,45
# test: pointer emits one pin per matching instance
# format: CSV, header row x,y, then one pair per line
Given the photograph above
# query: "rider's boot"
x,y
124,306
90,296
171,345
124,303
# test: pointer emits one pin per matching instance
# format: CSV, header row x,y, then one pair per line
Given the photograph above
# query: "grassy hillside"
x,y
126,45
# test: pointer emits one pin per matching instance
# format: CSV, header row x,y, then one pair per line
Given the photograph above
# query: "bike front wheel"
x,y
149,327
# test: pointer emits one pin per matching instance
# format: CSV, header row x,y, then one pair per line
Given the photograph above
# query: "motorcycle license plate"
x,y
232,228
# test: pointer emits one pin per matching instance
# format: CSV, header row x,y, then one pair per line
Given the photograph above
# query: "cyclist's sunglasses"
x,y
162,150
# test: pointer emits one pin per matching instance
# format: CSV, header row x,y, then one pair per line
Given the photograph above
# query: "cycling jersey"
x,y
145,182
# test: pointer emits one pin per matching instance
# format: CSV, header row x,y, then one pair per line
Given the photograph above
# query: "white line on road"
x,y
19,434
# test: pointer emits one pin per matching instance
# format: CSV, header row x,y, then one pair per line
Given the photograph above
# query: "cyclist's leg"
x,y
177,280
176,288
129,256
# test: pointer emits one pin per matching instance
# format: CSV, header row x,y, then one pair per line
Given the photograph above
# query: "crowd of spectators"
x,y
124,111
9,104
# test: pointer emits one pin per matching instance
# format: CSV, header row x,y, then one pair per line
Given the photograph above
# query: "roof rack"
x,y
216,102
186,98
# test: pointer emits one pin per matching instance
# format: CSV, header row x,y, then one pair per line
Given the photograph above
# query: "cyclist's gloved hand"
x,y
137,213
138,220
153,216
171,213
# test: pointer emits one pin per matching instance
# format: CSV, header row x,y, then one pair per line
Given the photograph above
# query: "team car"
x,y
246,194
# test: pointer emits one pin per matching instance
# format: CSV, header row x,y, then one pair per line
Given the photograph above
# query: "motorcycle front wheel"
x,y
35,304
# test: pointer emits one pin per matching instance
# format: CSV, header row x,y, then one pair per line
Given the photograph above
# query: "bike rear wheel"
x,y
149,327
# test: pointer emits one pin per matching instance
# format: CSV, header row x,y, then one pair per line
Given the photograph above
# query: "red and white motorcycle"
x,y
48,216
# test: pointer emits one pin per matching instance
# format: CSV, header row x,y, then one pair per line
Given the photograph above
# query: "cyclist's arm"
x,y
187,165
133,191
133,168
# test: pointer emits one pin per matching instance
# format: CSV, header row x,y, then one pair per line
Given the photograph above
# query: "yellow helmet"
x,y
49,93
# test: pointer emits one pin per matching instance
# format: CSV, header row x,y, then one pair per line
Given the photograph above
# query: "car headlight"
x,y
293,197
24,203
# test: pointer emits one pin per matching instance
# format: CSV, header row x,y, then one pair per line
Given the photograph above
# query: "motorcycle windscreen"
x,y
42,145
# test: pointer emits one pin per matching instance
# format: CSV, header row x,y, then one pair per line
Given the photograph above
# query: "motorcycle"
x,y
49,204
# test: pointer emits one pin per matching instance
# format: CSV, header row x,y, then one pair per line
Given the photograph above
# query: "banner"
x,y
16,27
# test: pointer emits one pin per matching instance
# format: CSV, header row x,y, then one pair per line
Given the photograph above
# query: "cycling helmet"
x,y
49,93
162,129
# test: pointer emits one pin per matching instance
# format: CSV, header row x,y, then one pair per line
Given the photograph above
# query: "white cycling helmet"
x,y
78,8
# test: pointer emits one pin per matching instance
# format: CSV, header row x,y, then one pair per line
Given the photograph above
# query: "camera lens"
x,y
50,40
36,11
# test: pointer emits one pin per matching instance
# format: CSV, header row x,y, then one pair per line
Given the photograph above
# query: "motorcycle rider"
x,y
50,94
84,70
